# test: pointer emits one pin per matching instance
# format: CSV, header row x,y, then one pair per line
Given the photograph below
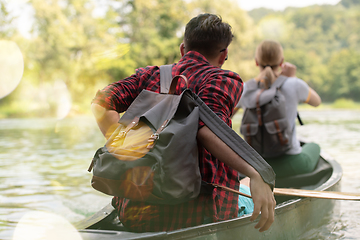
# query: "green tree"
x,y
9,32
6,28
71,44
349,3
344,71
312,38
309,67
153,30
86,44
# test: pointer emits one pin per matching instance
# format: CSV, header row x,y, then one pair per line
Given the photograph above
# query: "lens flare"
x,y
62,99
36,225
131,146
11,67
138,183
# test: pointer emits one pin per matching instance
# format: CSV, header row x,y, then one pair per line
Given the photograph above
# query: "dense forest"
x,y
76,47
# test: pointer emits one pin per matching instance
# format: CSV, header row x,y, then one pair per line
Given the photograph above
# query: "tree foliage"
x,y
6,29
70,45
87,44
323,41
152,30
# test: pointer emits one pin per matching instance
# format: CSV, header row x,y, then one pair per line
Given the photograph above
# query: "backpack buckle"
x,y
152,140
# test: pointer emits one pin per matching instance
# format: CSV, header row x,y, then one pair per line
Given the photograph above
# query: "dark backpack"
x,y
153,155
264,124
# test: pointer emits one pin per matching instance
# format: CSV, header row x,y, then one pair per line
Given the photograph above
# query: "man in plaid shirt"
x,y
204,50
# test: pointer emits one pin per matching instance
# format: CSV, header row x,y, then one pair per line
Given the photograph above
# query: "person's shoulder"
x,y
295,86
147,69
294,81
225,74
147,72
233,75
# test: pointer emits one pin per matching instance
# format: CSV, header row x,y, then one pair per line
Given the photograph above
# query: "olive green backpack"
x,y
153,155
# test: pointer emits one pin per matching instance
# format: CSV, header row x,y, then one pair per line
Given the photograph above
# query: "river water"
x,y
43,169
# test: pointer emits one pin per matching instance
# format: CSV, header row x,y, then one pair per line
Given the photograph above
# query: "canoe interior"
x,y
106,225
310,181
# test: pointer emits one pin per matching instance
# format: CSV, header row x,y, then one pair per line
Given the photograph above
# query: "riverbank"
x,y
15,110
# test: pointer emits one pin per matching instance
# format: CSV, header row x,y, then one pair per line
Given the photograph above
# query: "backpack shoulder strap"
x,y
252,84
165,78
279,82
235,142
249,97
223,131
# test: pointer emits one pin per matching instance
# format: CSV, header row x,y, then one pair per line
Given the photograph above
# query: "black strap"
x,y
235,142
229,136
298,117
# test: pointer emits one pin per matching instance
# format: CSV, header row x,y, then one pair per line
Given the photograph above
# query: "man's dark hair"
x,y
207,34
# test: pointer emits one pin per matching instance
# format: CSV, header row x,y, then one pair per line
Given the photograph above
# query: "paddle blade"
x,y
316,194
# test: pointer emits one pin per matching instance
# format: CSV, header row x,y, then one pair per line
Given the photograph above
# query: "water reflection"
x,y
337,132
43,167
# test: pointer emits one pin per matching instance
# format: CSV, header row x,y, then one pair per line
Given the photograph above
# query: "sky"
x,y
24,22
281,4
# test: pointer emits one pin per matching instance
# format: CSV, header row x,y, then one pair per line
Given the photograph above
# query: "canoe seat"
x,y
322,172
311,180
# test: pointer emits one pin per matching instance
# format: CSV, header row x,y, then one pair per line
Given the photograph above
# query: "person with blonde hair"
x,y
269,58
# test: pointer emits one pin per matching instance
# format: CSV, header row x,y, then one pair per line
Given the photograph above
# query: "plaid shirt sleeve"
x,y
119,95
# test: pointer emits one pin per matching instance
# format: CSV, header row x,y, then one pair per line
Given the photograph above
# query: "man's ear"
x,y
182,49
223,57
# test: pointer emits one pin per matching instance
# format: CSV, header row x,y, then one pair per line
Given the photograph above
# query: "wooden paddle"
x,y
316,194
303,193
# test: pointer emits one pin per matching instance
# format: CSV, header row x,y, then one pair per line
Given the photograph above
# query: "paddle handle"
x,y
302,193
316,194
230,190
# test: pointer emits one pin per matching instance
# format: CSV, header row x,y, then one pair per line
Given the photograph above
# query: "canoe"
x,y
293,215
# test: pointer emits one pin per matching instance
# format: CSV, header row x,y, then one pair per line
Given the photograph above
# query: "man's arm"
x,y
107,120
262,195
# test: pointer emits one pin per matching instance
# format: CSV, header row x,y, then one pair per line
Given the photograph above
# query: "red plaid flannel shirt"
x,y
220,90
